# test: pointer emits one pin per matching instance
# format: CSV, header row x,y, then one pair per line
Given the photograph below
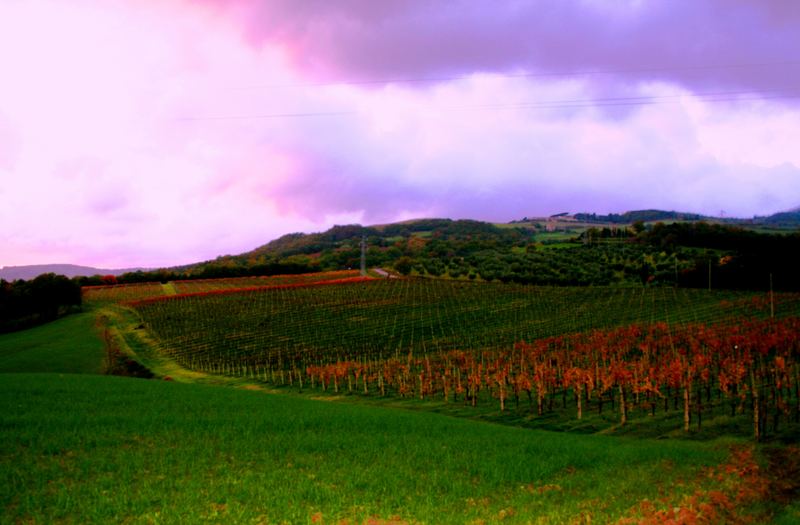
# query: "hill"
x,y
338,247
448,230
440,229
12,273
546,251
788,218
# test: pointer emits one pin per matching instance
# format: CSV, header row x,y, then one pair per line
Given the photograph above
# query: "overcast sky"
x,y
161,132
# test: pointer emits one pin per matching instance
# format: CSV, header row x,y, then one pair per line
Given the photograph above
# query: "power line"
x,y
720,96
713,97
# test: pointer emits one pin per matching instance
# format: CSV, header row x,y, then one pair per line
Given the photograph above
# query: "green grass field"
x,y
69,345
94,449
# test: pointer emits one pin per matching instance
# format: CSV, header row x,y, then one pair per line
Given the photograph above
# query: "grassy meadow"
x,y
68,345
95,449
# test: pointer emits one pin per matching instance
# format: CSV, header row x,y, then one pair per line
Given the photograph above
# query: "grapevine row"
x,y
741,366
380,319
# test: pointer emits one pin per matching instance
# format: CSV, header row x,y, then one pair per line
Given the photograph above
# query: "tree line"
x,y
45,298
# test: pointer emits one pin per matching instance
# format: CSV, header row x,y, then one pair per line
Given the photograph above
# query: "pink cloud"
x,y
121,142
683,41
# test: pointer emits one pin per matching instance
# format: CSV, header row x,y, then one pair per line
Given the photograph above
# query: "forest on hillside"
x,y
693,254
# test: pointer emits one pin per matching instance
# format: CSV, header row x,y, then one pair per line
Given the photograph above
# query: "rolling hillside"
x,y
27,272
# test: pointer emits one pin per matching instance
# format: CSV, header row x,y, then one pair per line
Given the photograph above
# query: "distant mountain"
x,y
12,273
786,218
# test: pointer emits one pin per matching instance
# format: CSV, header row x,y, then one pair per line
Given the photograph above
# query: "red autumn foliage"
x,y
348,280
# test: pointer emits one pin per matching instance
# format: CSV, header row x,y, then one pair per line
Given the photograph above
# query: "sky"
x,y
162,132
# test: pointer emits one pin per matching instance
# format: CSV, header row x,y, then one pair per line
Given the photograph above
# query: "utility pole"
x,y
363,255
771,298
676,269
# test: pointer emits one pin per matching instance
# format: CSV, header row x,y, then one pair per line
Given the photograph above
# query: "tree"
x,y
404,265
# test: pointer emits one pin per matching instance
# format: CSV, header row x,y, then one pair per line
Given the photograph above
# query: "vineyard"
x,y
209,285
697,369
533,348
118,293
379,319
122,293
